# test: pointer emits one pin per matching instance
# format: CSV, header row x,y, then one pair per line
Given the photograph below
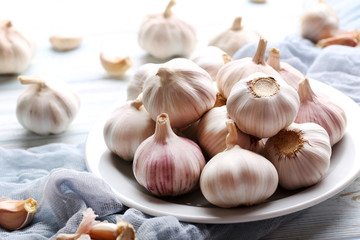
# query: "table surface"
x,y
111,26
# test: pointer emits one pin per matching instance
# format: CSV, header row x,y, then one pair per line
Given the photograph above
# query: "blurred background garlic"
x,y
301,154
17,50
46,108
166,35
114,65
231,40
61,42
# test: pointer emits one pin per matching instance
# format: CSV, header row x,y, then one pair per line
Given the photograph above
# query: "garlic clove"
x,y
65,43
114,65
16,214
350,39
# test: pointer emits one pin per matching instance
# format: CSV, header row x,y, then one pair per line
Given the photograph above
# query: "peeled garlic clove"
x,y
166,35
237,176
211,59
290,74
17,50
109,231
301,154
16,214
135,86
234,38
166,164
180,88
319,21
45,108
114,65
319,108
234,71
261,105
65,43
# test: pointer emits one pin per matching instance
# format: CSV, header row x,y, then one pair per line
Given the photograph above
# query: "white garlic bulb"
x,y
115,65
301,154
234,38
166,35
234,71
261,105
180,88
127,127
290,74
135,86
237,176
321,109
319,22
46,108
212,132
211,59
16,51
166,164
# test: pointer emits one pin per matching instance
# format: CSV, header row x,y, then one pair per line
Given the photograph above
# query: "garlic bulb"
x,y
319,22
166,164
16,51
261,105
64,42
319,108
211,59
135,86
234,38
46,108
114,65
166,35
212,132
16,214
127,127
234,71
301,154
180,88
237,176
290,74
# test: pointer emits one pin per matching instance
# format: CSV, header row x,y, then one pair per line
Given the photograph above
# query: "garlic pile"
x,y
17,50
114,65
231,40
45,108
166,35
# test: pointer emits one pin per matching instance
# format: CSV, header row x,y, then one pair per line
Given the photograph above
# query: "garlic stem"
x,y
31,80
220,100
232,137
259,57
226,58
164,74
305,92
138,102
167,12
163,129
274,59
6,23
236,26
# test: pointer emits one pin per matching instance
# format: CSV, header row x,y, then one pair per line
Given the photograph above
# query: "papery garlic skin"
x,y
234,38
166,35
321,109
180,88
301,154
237,176
16,50
135,86
127,127
166,164
46,108
261,105
211,59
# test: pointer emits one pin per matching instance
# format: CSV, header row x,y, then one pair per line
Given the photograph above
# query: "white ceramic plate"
x,y
193,207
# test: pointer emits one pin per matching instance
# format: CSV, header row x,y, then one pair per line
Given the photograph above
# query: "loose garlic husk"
x,y
166,35
319,22
261,105
237,176
234,38
64,42
319,108
290,74
127,127
301,154
16,214
211,59
46,108
180,88
212,132
114,65
16,51
234,71
166,164
135,86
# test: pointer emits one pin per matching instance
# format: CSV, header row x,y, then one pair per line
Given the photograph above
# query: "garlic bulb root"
x,y
115,66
